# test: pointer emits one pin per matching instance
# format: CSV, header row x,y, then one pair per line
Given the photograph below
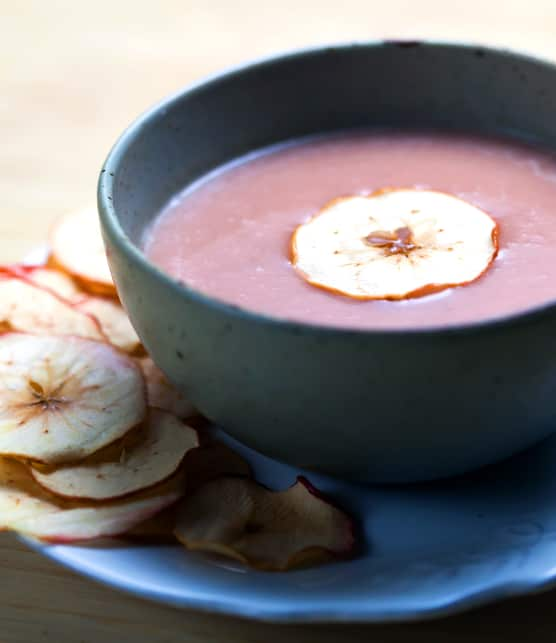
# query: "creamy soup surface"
x,y
228,234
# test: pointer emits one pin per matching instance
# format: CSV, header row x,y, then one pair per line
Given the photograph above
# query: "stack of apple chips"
x,y
95,441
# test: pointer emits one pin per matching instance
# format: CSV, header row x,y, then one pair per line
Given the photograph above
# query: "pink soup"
x,y
228,234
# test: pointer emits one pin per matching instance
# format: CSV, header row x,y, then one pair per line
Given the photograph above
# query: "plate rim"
x,y
241,607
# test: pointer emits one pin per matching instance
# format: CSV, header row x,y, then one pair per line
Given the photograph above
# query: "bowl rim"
x,y
111,226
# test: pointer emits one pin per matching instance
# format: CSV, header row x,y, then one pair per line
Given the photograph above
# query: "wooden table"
x,y
73,74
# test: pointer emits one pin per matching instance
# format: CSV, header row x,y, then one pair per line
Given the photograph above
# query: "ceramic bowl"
x,y
391,406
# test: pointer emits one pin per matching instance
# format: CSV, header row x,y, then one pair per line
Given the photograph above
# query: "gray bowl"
x,y
371,406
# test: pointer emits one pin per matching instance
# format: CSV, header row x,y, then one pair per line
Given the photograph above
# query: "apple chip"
x,y
77,247
159,448
30,510
107,311
114,322
65,397
272,530
29,308
395,244
214,460
162,394
53,280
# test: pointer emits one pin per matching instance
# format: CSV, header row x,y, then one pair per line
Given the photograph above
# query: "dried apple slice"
x,y
55,281
29,308
77,247
28,509
65,397
157,452
114,322
205,463
395,244
211,461
162,394
272,530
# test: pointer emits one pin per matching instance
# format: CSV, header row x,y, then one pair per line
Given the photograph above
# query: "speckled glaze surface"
x,y
370,406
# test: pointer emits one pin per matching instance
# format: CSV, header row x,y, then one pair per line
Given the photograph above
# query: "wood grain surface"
x,y
72,75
